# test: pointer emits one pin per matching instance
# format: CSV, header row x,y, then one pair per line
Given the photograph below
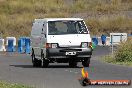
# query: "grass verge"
x,y
8,85
110,59
123,54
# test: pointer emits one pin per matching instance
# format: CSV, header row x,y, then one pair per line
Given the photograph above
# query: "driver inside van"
x,y
52,28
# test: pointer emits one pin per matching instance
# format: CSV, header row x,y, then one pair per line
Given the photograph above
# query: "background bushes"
x,y
101,16
124,52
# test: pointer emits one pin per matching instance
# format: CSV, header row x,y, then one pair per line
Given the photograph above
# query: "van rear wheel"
x,y
36,62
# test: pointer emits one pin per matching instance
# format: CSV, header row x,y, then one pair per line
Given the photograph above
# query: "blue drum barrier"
x,y
24,45
20,46
10,46
95,41
23,40
27,45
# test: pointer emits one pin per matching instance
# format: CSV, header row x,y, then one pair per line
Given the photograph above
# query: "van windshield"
x,y
66,27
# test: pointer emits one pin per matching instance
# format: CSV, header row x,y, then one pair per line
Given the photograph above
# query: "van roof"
x,y
57,19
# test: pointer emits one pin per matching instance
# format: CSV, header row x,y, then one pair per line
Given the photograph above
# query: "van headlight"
x,y
84,45
54,45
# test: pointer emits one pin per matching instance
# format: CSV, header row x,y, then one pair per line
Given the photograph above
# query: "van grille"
x,y
70,50
69,46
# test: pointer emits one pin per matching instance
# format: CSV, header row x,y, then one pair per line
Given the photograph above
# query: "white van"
x,y
61,40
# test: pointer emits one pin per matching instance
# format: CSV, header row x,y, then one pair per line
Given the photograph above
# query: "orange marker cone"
x,y
84,80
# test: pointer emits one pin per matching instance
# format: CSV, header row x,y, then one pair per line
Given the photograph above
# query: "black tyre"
x,y
86,62
36,62
72,63
45,62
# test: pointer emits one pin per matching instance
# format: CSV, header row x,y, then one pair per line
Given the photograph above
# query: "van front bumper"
x,y
68,52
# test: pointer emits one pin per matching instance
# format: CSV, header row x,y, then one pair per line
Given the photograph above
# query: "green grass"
x,y
123,54
110,59
8,85
16,16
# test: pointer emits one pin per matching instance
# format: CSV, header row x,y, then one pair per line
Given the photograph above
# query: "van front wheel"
x,y
86,62
45,62
72,63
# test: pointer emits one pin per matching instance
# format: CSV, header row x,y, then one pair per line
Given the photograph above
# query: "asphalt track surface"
x,y
17,68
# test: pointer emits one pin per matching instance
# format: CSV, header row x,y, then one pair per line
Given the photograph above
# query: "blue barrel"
x,y
27,45
95,41
103,37
23,40
10,46
20,46
129,35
